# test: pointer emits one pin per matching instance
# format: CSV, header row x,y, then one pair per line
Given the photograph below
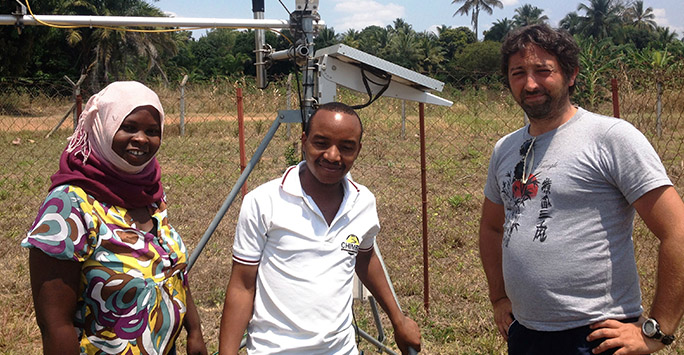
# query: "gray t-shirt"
x,y
568,257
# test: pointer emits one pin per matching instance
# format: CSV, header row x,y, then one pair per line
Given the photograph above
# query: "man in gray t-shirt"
x,y
557,220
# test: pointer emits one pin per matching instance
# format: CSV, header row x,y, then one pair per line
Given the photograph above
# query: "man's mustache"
x,y
535,92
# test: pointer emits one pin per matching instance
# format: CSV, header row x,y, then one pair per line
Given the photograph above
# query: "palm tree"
x,y
351,38
499,30
572,23
529,15
639,17
403,49
326,38
430,52
115,54
474,6
665,36
375,39
600,17
402,26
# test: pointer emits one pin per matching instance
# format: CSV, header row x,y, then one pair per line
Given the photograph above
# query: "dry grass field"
x,y
200,168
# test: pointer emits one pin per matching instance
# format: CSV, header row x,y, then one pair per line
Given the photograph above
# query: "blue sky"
x,y
421,14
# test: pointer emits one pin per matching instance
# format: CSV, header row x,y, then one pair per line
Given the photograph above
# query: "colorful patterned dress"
x,y
132,292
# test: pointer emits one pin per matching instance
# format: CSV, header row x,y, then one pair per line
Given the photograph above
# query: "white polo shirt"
x,y
304,282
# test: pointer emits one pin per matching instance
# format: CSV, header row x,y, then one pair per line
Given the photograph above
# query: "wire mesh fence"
x,y
200,167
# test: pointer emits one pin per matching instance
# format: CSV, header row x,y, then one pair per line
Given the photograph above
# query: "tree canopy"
x,y
450,54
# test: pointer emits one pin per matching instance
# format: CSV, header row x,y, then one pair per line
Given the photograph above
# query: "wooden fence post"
x,y
182,105
241,137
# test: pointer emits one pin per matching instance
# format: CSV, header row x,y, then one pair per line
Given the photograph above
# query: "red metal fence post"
x,y
423,186
616,100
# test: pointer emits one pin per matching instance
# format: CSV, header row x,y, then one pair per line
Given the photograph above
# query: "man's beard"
x,y
547,110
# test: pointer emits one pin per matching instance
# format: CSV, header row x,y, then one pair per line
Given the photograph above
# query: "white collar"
x,y
291,184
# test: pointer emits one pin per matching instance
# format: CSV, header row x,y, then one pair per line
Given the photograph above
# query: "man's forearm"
x,y
662,210
668,302
490,255
238,307
490,237
370,272
234,321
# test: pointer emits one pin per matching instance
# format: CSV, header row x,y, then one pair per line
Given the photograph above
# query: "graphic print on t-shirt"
x,y
544,211
351,245
520,186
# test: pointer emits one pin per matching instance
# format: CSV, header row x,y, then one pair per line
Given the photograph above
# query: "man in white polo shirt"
x,y
298,241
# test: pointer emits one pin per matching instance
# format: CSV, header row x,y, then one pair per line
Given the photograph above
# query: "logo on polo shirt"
x,y
351,245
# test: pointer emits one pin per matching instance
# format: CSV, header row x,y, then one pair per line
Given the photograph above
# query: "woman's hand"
x,y
193,327
196,344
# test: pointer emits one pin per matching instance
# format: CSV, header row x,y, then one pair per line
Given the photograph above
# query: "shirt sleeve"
x,y
368,240
62,229
631,162
492,189
250,232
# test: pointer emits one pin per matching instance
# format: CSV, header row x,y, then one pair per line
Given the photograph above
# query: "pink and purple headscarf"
x,y
89,161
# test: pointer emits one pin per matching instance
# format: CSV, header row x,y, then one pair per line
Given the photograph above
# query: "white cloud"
x,y
359,14
509,2
662,21
170,14
433,28
661,17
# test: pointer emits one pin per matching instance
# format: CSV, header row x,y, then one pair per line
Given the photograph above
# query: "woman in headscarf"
x,y
107,269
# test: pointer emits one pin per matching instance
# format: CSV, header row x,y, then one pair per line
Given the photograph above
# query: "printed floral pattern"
x,y
133,283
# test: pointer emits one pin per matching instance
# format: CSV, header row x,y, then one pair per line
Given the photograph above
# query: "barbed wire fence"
x,y
200,166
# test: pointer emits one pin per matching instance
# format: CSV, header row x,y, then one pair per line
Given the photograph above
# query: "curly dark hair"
x,y
333,107
560,43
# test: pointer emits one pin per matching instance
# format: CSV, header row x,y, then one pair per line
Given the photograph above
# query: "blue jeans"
x,y
525,341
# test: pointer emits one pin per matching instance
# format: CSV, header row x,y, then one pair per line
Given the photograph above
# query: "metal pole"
x,y
288,104
259,45
376,319
384,269
423,186
233,193
382,347
309,68
140,21
241,136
